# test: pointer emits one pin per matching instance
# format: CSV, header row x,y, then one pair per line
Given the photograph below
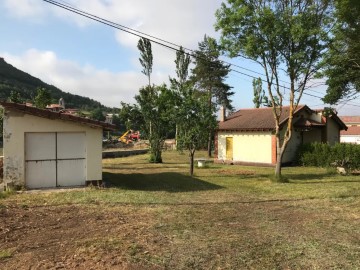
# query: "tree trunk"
x,y
191,155
209,145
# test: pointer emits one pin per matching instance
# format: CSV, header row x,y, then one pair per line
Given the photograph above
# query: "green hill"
x,y
13,79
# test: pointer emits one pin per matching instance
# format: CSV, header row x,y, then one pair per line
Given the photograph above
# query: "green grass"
x,y
6,253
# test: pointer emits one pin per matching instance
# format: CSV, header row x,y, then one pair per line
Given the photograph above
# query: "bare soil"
x,y
309,234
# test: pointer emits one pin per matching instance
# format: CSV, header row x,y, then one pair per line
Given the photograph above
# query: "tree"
x,y
43,98
156,103
286,38
1,123
178,84
97,114
131,116
259,93
15,97
209,75
342,61
146,57
194,119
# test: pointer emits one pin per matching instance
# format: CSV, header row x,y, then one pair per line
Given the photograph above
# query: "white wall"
x,y
16,124
350,139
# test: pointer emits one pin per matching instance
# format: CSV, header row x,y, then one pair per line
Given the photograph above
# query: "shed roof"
x,y
262,119
56,115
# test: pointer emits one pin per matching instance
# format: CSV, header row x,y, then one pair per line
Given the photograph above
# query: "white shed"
x,y
44,149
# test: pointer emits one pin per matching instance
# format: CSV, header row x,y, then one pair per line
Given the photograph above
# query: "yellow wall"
x,y
15,126
247,146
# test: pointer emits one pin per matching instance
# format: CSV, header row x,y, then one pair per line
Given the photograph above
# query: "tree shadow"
x,y
168,181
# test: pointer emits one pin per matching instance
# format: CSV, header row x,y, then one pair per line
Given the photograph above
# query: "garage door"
x,y
55,159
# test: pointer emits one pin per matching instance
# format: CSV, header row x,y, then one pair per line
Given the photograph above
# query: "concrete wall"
x,y
332,131
16,124
350,139
253,147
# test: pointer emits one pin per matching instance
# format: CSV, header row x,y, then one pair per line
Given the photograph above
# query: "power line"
x,y
161,42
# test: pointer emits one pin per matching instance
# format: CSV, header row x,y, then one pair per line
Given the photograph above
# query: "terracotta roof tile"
x,y
350,119
353,130
260,119
56,115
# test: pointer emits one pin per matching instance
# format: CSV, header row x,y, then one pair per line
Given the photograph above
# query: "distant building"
x,y
248,135
352,134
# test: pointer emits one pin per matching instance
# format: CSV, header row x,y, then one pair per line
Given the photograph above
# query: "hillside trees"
x,y
342,61
209,76
286,38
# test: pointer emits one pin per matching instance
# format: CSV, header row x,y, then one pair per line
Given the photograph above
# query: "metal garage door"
x,y
55,159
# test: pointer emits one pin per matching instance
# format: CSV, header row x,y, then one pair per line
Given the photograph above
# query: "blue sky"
x,y
84,57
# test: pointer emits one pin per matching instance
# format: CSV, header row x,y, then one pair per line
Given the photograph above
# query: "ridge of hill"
x,y
13,79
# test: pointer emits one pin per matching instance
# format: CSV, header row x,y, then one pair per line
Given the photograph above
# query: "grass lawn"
x,y
154,216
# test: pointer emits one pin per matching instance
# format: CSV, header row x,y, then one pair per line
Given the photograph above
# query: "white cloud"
x,y
102,85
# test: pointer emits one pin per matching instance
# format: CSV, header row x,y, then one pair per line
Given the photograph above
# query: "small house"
x,y
44,149
248,135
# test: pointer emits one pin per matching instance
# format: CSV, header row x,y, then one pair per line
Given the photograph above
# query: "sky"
x,y
87,58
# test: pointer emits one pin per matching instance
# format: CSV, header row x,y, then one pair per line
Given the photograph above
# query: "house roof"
x,y
256,119
56,115
306,123
352,130
262,119
350,119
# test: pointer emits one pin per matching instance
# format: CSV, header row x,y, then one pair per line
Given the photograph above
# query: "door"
x,y
71,157
229,148
55,159
40,160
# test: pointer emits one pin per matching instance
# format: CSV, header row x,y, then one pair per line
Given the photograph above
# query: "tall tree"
x,y
342,61
259,93
156,103
194,119
280,35
146,57
43,98
209,76
182,63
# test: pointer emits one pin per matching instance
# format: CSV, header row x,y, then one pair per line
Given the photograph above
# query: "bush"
x,y
323,155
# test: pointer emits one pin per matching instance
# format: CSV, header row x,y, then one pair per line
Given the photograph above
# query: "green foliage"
x,y
15,97
342,61
324,155
259,93
97,114
156,104
131,117
146,57
210,73
15,80
43,98
194,119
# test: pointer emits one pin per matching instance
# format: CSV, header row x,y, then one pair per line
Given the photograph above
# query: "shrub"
x,y
323,155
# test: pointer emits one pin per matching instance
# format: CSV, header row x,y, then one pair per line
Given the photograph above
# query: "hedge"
x,y
325,155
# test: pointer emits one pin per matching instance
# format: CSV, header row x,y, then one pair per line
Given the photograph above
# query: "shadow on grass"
x,y
171,182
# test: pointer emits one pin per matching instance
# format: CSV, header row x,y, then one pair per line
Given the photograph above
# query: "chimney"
x,y
222,113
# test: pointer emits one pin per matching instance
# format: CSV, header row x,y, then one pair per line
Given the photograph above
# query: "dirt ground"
x,y
260,235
